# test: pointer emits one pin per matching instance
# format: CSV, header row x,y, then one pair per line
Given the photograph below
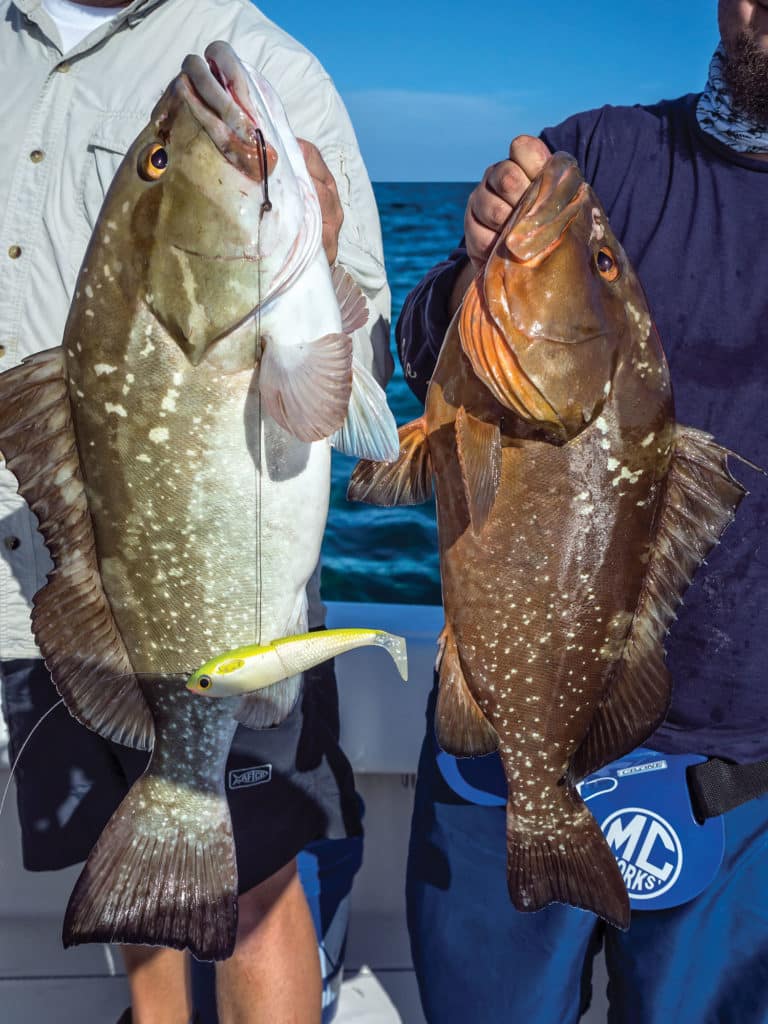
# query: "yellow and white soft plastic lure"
x,y
245,669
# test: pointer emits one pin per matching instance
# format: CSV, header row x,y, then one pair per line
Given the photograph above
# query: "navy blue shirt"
x,y
692,216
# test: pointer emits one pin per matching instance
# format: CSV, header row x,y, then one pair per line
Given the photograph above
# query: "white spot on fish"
x,y
647,440
143,457
169,400
148,348
118,410
158,435
103,369
89,291
598,229
612,463
602,424
632,475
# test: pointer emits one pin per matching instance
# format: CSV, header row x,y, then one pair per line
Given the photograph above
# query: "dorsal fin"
x,y
72,620
700,500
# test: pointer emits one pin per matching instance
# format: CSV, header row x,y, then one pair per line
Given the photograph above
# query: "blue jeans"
x,y
478,960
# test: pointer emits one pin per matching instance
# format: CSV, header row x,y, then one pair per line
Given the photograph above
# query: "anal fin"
x,y
407,481
700,500
272,705
460,726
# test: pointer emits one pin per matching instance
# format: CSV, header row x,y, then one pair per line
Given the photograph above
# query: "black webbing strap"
x,y
717,786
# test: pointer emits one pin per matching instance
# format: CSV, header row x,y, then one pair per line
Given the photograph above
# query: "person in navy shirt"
x,y
685,185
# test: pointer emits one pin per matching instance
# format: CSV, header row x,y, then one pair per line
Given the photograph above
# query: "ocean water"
x,y
390,554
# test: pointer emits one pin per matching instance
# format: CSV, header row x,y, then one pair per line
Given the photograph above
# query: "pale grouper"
x,y
176,451
255,666
572,513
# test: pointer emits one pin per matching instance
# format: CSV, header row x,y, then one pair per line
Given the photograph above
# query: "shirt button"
x,y
2,351
63,67
14,251
36,156
11,543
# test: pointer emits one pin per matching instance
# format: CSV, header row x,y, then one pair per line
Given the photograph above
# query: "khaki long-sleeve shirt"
x,y
68,119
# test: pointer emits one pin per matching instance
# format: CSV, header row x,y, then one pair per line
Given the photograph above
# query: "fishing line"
x,y
34,729
39,722
266,206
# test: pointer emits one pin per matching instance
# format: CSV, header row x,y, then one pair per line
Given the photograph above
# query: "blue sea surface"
x,y
390,554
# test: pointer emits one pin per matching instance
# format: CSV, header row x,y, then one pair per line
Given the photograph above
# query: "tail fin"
x,y
565,861
162,873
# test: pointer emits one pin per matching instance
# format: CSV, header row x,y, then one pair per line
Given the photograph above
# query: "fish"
x,y
175,448
572,513
255,666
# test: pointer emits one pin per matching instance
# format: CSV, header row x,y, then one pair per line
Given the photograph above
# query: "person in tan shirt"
x,y
77,84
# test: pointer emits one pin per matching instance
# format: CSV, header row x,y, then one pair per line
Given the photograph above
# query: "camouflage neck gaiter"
x,y
718,116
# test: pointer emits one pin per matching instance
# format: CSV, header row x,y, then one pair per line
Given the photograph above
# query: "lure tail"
x,y
163,872
563,859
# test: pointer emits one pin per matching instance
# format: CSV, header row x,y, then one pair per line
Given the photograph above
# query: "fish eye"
x,y
204,682
153,161
607,264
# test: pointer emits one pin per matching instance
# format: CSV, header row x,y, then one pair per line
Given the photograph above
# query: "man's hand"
x,y
330,207
498,193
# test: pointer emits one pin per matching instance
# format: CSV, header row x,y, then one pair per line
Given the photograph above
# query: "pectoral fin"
x,y
369,430
700,500
306,387
408,481
72,619
479,449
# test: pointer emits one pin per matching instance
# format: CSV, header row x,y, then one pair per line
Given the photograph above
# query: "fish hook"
x,y
266,205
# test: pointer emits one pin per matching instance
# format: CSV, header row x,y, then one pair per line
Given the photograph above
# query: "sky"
x,y
438,96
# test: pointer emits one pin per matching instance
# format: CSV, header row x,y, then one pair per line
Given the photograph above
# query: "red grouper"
x,y
176,452
572,512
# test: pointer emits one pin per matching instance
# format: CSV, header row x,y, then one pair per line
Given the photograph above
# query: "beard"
x,y
746,75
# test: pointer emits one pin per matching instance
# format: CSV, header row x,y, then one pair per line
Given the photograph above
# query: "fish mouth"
x,y
216,90
546,210
510,334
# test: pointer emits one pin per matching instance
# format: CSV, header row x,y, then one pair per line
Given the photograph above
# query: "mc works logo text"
x,y
244,777
647,848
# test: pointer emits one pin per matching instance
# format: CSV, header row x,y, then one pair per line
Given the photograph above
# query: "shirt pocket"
x,y
111,138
